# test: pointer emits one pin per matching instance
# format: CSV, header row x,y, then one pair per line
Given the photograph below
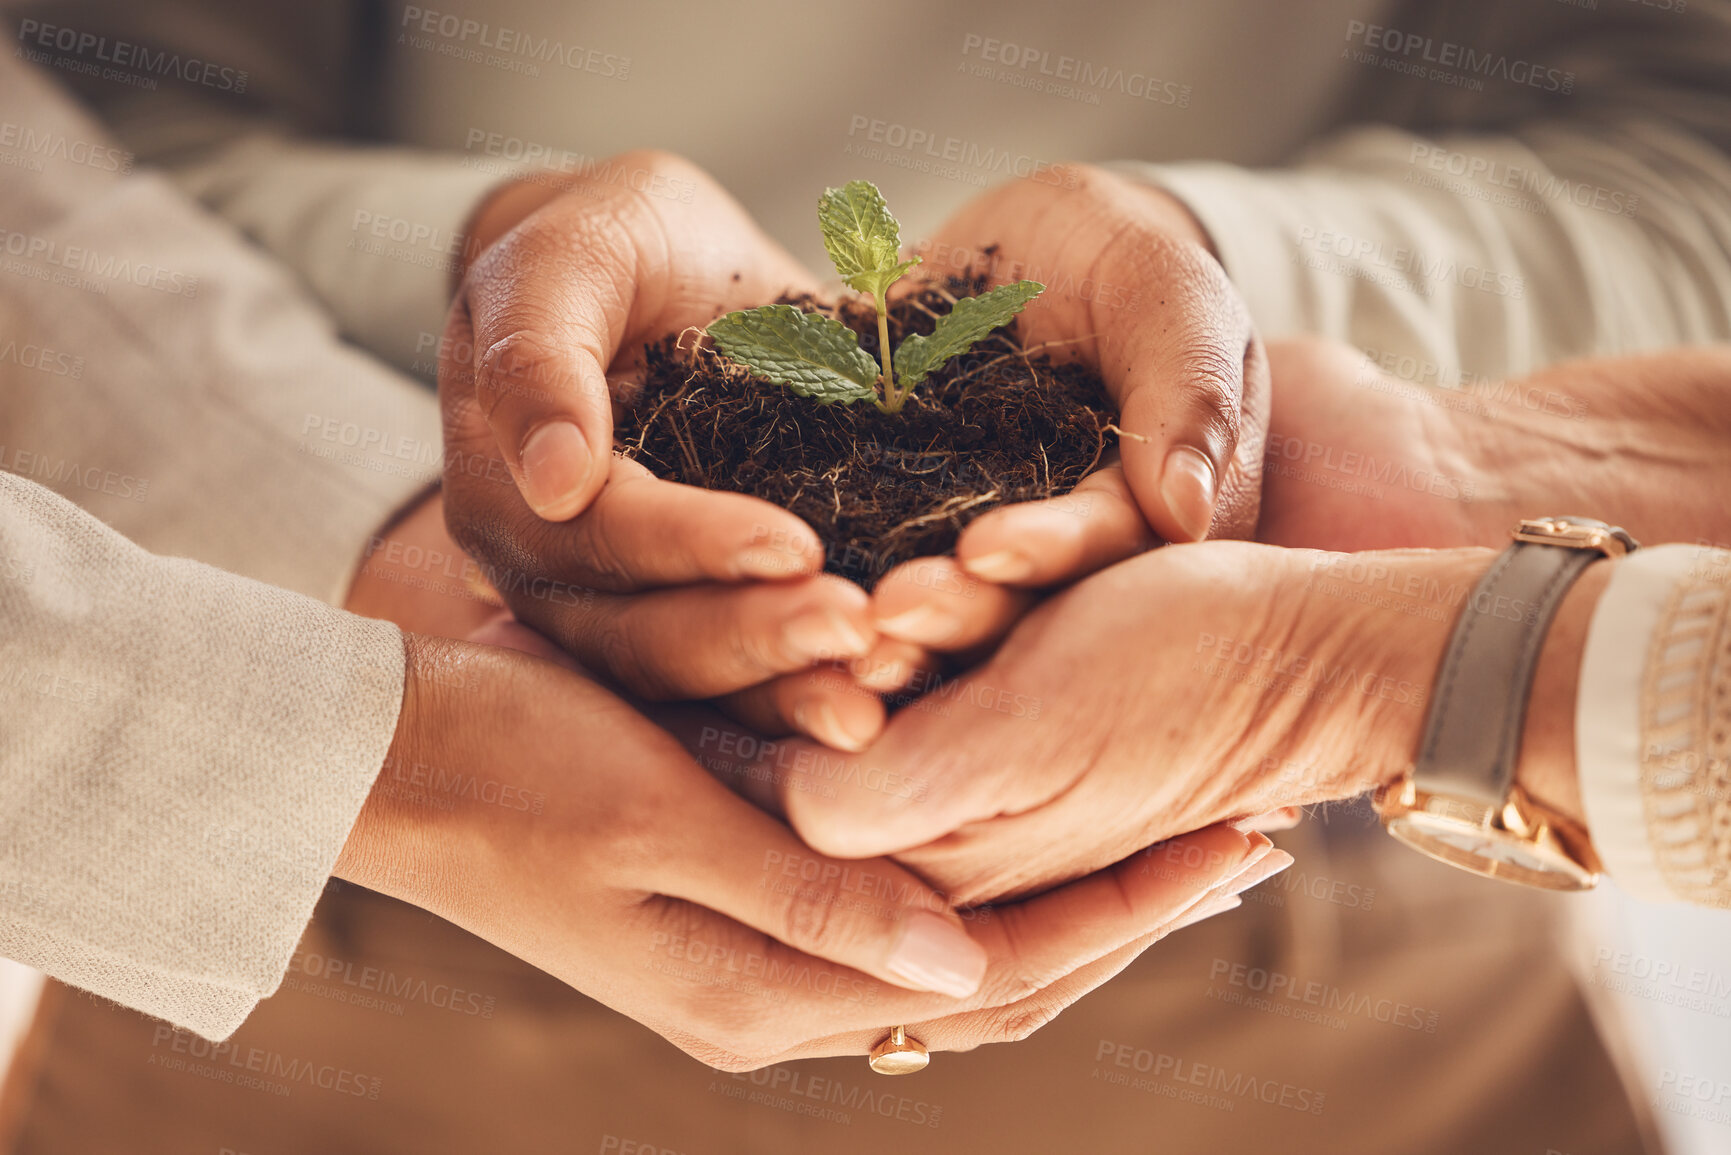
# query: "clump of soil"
x,y
998,424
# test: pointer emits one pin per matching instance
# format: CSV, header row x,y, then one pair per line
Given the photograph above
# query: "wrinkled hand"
x,y
526,804
1360,457
1133,290
1202,682
670,590
1191,685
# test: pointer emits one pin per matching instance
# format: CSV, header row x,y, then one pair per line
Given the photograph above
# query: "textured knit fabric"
x,y
1653,747
182,753
1653,730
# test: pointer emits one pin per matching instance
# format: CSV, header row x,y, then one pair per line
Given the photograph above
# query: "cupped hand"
x,y
1191,685
669,590
530,806
1133,290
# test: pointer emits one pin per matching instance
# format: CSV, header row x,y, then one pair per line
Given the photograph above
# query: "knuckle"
x,y
562,272
1014,1024
523,368
503,364
752,652
720,1036
523,252
746,1042
466,430
595,547
1216,382
628,653
810,921
1020,980
1016,986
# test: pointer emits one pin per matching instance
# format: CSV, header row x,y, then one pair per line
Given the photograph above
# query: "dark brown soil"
x,y
995,425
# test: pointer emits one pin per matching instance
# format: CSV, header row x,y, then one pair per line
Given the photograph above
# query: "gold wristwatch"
x,y
1459,801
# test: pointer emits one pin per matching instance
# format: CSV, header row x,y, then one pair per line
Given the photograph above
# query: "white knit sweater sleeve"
x,y
1653,725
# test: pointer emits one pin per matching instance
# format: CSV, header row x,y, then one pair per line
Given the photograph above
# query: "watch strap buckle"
x,y
1576,533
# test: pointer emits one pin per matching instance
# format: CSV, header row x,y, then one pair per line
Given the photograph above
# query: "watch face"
x,y
1480,845
1490,852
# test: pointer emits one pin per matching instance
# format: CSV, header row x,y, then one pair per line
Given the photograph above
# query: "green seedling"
x,y
818,357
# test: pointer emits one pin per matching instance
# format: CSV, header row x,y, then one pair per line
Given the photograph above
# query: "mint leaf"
x,y
971,319
862,238
813,355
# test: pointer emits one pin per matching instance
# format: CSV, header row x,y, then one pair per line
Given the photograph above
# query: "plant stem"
x,y
892,401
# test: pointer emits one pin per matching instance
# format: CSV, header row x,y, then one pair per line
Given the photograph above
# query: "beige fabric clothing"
x,y
183,754
192,396
157,370
1558,189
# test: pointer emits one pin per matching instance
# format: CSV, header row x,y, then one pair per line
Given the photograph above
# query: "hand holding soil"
x,y
668,590
790,405
1134,294
1007,420
685,591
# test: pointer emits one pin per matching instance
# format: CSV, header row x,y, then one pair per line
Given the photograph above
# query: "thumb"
x,y
1192,445
927,775
1182,371
549,305
1178,352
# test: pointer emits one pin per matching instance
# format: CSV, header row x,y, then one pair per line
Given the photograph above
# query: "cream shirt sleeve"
x,y
1578,201
376,233
372,232
165,375
182,754
1653,725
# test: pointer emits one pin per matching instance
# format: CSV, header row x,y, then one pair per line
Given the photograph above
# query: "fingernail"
x,y
936,955
886,675
820,720
1209,909
823,633
1270,865
1187,485
556,462
1259,845
925,625
1006,565
779,560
